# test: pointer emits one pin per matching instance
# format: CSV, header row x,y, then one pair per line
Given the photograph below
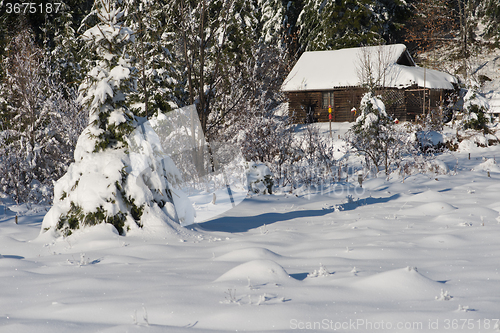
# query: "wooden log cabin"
x,y
336,78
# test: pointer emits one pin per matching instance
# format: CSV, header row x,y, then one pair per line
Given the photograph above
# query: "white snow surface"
x,y
413,256
324,70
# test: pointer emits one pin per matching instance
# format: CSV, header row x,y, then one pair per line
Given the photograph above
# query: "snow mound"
x,y
406,283
258,271
247,254
488,165
427,196
443,241
430,138
475,140
431,208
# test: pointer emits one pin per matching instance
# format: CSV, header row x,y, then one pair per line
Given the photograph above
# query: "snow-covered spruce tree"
x,y
62,46
271,19
327,25
371,136
490,12
152,56
119,176
475,109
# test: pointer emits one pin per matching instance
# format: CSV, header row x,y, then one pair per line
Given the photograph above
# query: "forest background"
x,y
228,57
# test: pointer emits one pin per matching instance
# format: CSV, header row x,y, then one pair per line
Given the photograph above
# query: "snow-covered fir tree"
x,y
327,25
120,174
491,18
272,17
371,133
152,56
65,47
475,108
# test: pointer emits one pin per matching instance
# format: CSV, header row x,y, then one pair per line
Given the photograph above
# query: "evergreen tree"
x,y
105,89
475,109
372,134
119,177
492,19
152,56
277,26
272,17
62,46
327,25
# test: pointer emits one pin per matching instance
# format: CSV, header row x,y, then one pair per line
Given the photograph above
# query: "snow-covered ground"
x,y
413,256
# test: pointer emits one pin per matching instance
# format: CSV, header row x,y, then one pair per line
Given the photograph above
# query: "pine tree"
x,y
119,176
105,88
272,16
277,26
63,47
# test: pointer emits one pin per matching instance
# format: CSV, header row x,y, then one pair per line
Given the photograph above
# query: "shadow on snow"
x,y
246,223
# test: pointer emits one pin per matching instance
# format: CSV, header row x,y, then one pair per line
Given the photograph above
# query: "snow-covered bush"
x,y
259,178
294,158
38,116
314,161
120,175
429,141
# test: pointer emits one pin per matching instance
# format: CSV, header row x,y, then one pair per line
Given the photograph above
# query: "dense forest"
x,y
228,57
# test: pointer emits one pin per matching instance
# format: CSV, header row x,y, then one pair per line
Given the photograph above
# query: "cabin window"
x,y
327,99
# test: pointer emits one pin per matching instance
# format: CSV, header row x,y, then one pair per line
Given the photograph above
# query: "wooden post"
x,y
423,104
330,118
333,106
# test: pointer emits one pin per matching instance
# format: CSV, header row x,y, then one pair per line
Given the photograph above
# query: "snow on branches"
x,y
107,84
120,174
373,134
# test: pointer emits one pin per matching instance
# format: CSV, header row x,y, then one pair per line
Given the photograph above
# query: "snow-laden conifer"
x,y
120,174
153,56
371,134
475,108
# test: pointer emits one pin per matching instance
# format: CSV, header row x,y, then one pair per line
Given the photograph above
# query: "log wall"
x,y
403,104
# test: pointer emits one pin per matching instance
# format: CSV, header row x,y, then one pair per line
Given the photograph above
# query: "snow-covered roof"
x,y
325,70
